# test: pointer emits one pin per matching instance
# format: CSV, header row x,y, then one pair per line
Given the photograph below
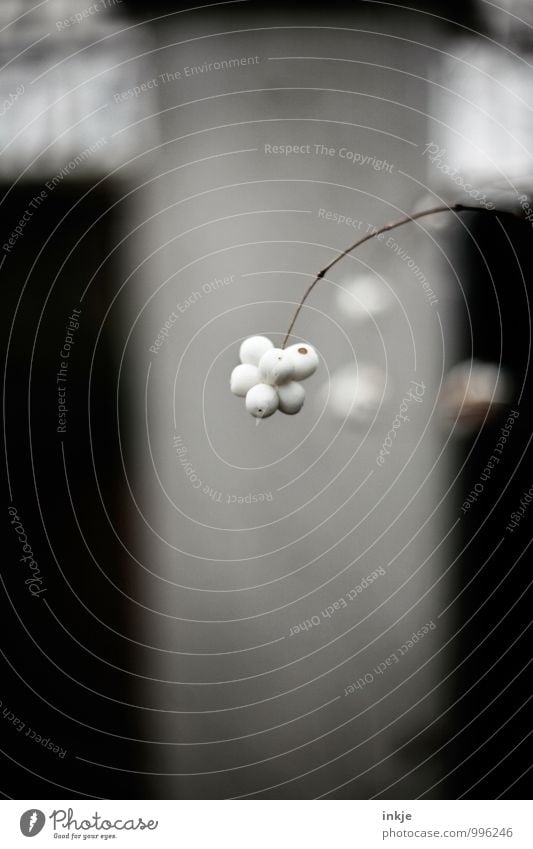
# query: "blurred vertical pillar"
x,y
239,707
70,670
481,151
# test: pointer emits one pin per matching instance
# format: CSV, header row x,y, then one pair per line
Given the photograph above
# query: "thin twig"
x,y
392,225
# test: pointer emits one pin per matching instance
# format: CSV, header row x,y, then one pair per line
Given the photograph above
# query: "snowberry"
x,y
356,393
243,377
364,297
291,397
253,348
473,392
304,359
262,400
268,377
276,367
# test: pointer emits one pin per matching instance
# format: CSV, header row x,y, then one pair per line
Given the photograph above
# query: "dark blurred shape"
x,y
53,679
450,11
491,751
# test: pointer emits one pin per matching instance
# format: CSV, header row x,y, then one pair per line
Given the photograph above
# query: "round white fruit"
x,y
262,400
242,379
304,359
364,297
253,348
356,393
291,397
276,367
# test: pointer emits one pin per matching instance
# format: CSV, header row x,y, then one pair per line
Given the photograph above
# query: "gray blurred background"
x,y
211,537
232,580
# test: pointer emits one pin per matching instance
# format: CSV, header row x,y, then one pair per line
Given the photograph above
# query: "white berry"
x,y
364,297
356,393
253,348
291,397
262,400
276,367
305,360
243,377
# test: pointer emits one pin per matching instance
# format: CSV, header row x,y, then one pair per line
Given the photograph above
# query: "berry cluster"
x,y
268,377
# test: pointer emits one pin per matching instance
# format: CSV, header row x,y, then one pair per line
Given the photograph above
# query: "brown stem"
x,y
456,207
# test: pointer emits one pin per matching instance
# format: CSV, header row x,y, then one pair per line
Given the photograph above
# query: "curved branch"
x,y
392,225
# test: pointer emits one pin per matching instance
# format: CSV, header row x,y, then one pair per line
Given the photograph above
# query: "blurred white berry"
x,y
262,400
291,397
356,393
243,377
253,348
362,298
276,367
472,392
304,359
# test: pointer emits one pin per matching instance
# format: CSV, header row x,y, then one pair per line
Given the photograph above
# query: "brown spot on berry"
x,y
302,350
